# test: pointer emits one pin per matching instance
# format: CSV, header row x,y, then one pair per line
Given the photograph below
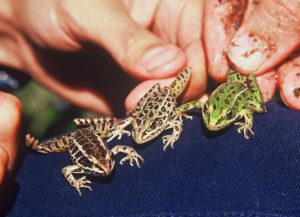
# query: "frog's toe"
x,y
168,141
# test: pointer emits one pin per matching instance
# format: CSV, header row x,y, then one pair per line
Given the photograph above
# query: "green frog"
x,y
238,98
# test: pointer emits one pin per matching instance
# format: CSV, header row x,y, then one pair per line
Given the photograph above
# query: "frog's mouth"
x,y
143,137
216,127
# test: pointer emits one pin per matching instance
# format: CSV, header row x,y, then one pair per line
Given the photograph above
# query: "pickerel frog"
x,y
155,112
238,98
89,153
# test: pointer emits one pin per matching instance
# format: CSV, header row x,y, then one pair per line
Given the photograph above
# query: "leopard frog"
x,y
154,113
89,153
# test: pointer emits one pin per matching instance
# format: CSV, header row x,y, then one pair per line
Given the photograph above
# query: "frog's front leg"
x,y
247,126
169,140
188,106
132,155
82,182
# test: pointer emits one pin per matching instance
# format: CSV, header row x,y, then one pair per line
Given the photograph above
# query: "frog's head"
x,y
101,164
216,116
147,129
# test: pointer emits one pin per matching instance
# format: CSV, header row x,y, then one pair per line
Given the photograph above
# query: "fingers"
x,y
137,50
267,84
221,21
267,37
173,22
289,82
180,22
10,118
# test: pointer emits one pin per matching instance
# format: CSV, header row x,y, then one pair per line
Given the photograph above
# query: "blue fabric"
x,y
207,174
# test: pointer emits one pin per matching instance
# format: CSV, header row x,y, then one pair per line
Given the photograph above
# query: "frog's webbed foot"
x,y
245,128
169,141
81,183
120,130
76,183
132,156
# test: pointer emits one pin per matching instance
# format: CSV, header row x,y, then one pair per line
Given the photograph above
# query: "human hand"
x,y
10,118
256,38
140,36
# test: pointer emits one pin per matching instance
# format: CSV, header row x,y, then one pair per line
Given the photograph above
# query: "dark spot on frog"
x,y
151,114
226,101
217,98
138,121
214,106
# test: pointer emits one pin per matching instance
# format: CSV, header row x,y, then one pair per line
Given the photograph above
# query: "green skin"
x,y
238,98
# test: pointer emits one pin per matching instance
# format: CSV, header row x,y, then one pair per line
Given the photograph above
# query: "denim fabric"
x,y
207,174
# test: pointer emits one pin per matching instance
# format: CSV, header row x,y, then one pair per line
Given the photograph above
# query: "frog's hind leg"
x,y
82,182
188,106
255,99
54,145
177,127
179,84
105,127
87,122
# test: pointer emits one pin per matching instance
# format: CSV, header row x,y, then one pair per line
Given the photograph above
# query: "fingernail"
x,y
160,57
249,52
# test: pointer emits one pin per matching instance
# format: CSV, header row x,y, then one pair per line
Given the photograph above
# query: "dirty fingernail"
x,y
248,52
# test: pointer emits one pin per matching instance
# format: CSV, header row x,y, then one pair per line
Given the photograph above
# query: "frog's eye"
x,y
229,114
103,162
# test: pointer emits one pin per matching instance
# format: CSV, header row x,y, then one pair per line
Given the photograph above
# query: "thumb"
x,y
137,50
267,37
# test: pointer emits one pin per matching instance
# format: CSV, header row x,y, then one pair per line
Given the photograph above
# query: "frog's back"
x,y
84,146
158,104
228,94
